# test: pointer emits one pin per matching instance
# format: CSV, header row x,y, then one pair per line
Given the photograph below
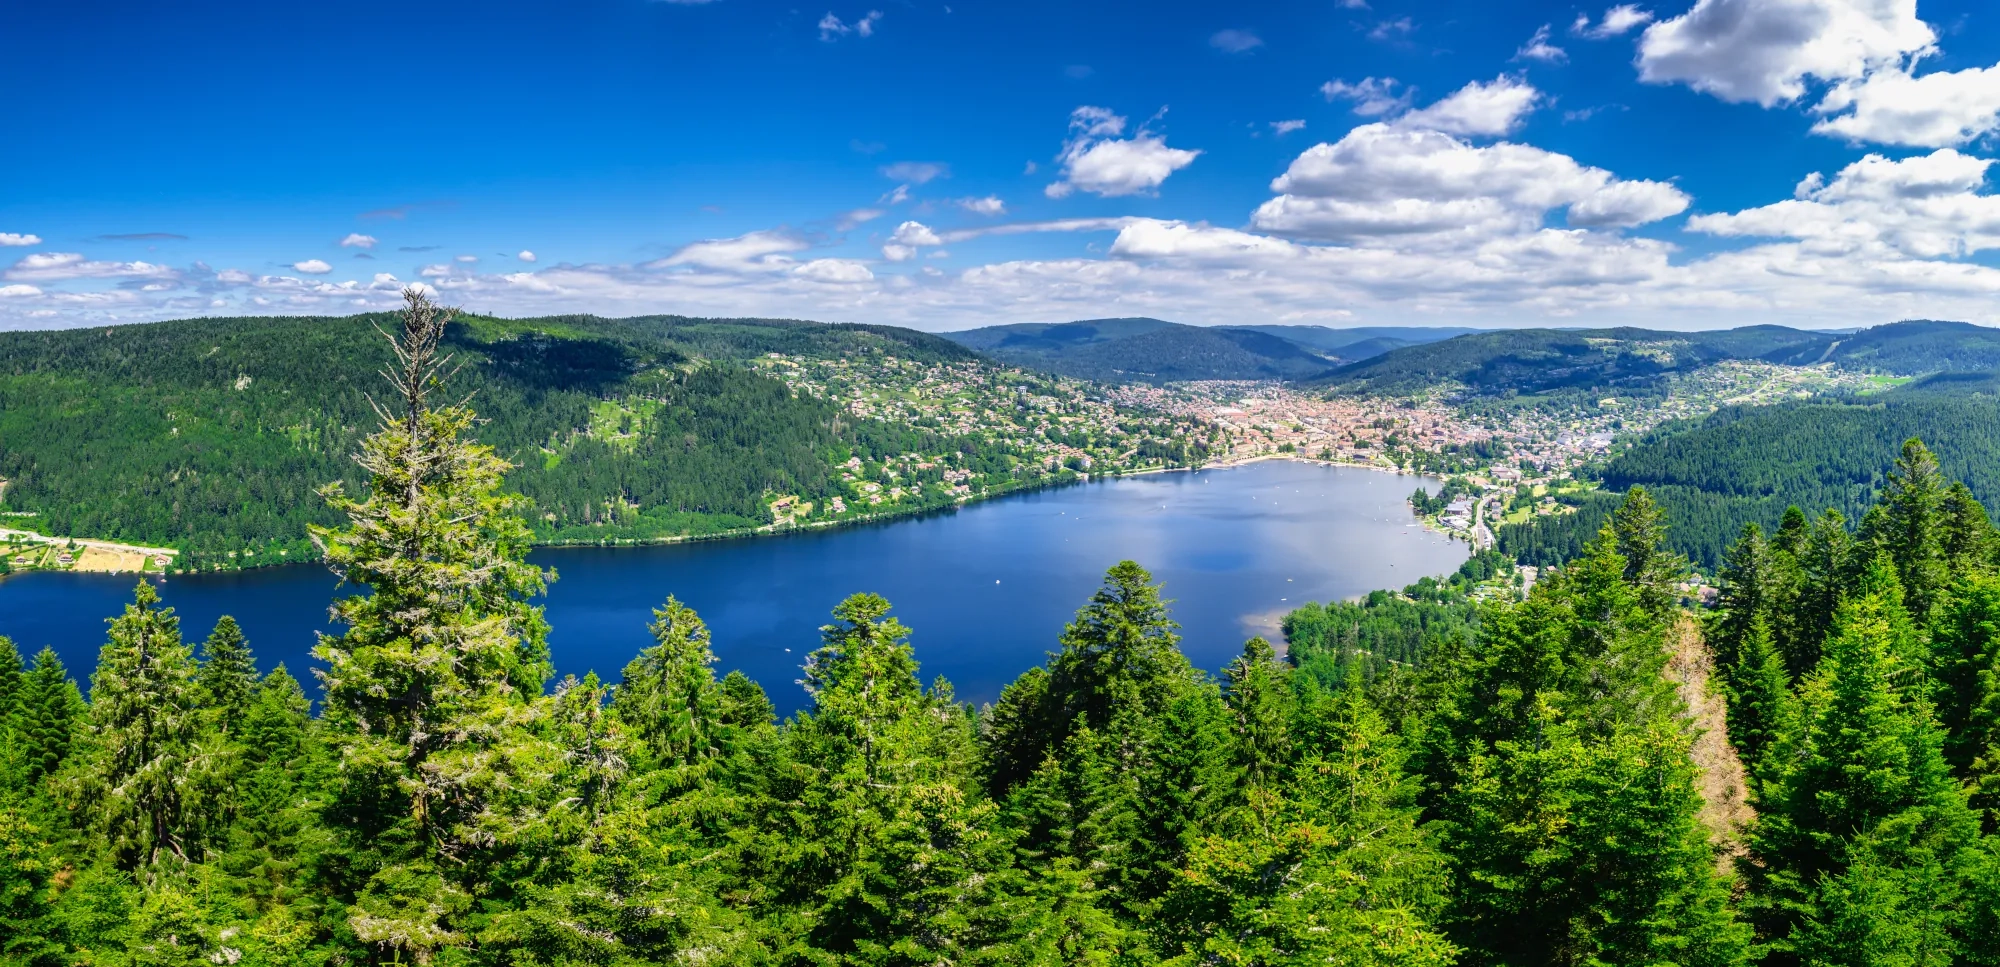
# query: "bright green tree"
x,y
1640,528
141,767
1854,851
1260,699
669,699
47,716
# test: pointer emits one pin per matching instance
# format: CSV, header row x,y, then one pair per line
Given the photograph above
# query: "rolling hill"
x,y
1531,361
1157,351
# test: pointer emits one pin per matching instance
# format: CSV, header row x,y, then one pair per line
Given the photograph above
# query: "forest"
x,y
1748,464
1526,786
214,435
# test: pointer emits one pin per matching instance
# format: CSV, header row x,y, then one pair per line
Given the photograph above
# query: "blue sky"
x,y
1685,164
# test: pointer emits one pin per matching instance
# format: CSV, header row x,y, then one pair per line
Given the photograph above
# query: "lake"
x,y
986,589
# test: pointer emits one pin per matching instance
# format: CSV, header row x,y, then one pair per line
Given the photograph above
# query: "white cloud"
x,y
57,266
752,252
832,28
1388,29
312,267
1372,96
434,271
897,196
1235,41
1494,108
858,216
916,172
1538,48
1096,160
1282,128
1763,50
1617,20
909,236
1935,110
525,256
18,291
15,239
1383,180
1926,207
466,258
989,205
839,271
233,277
358,240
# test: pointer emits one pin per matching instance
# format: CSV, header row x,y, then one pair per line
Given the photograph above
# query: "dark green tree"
x,y
228,675
47,716
1654,570
1260,700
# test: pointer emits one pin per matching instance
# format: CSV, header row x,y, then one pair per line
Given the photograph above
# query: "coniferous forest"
x,y
1526,783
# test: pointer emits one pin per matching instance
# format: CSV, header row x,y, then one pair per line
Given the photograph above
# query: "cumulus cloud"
x,y
1935,110
1764,50
989,205
909,236
15,239
1480,108
1538,48
434,271
832,28
1383,180
312,267
18,291
357,240
835,271
58,266
916,172
1617,20
1926,207
751,252
1235,41
1372,96
1095,159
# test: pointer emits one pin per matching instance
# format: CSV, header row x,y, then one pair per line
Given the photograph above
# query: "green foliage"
x,y
1146,350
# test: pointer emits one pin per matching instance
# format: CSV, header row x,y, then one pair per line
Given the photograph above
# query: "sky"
x,y
1686,164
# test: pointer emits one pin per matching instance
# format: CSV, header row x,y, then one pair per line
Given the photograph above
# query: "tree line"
x,y
1524,792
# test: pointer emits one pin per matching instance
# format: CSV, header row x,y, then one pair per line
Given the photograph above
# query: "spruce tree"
x,y
13,678
1853,851
141,764
1971,543
1762,712
880,849
47,716
1826,570
228,674
431,692
1912,527
669,698
1651,568
1746,596
1965,661
1260,700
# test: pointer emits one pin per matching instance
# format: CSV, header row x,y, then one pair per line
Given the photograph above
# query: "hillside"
x,y
1747,464
1532,361
212,435
1361,342
1535,361
1145,350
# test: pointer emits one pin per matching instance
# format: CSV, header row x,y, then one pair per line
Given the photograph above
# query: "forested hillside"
x,y
212,435
1748,464
1521,789
1146,350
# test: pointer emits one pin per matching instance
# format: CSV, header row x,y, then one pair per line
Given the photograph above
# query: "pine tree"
x,y
1122,647
1971,543
1912,527
13,678
1560,763
1762,712
1260,699
1181,767
1746,595
228,674
47,716
881,850
1826,570
432,692
28,934
1965,661
141,763
1854,846
1345,875
669,698
1653,570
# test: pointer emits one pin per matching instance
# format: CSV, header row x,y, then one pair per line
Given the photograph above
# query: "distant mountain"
x,y
1546,360
1147,350
1361,342
1911,348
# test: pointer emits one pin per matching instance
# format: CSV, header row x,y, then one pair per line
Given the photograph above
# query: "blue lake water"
x,y
985,589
